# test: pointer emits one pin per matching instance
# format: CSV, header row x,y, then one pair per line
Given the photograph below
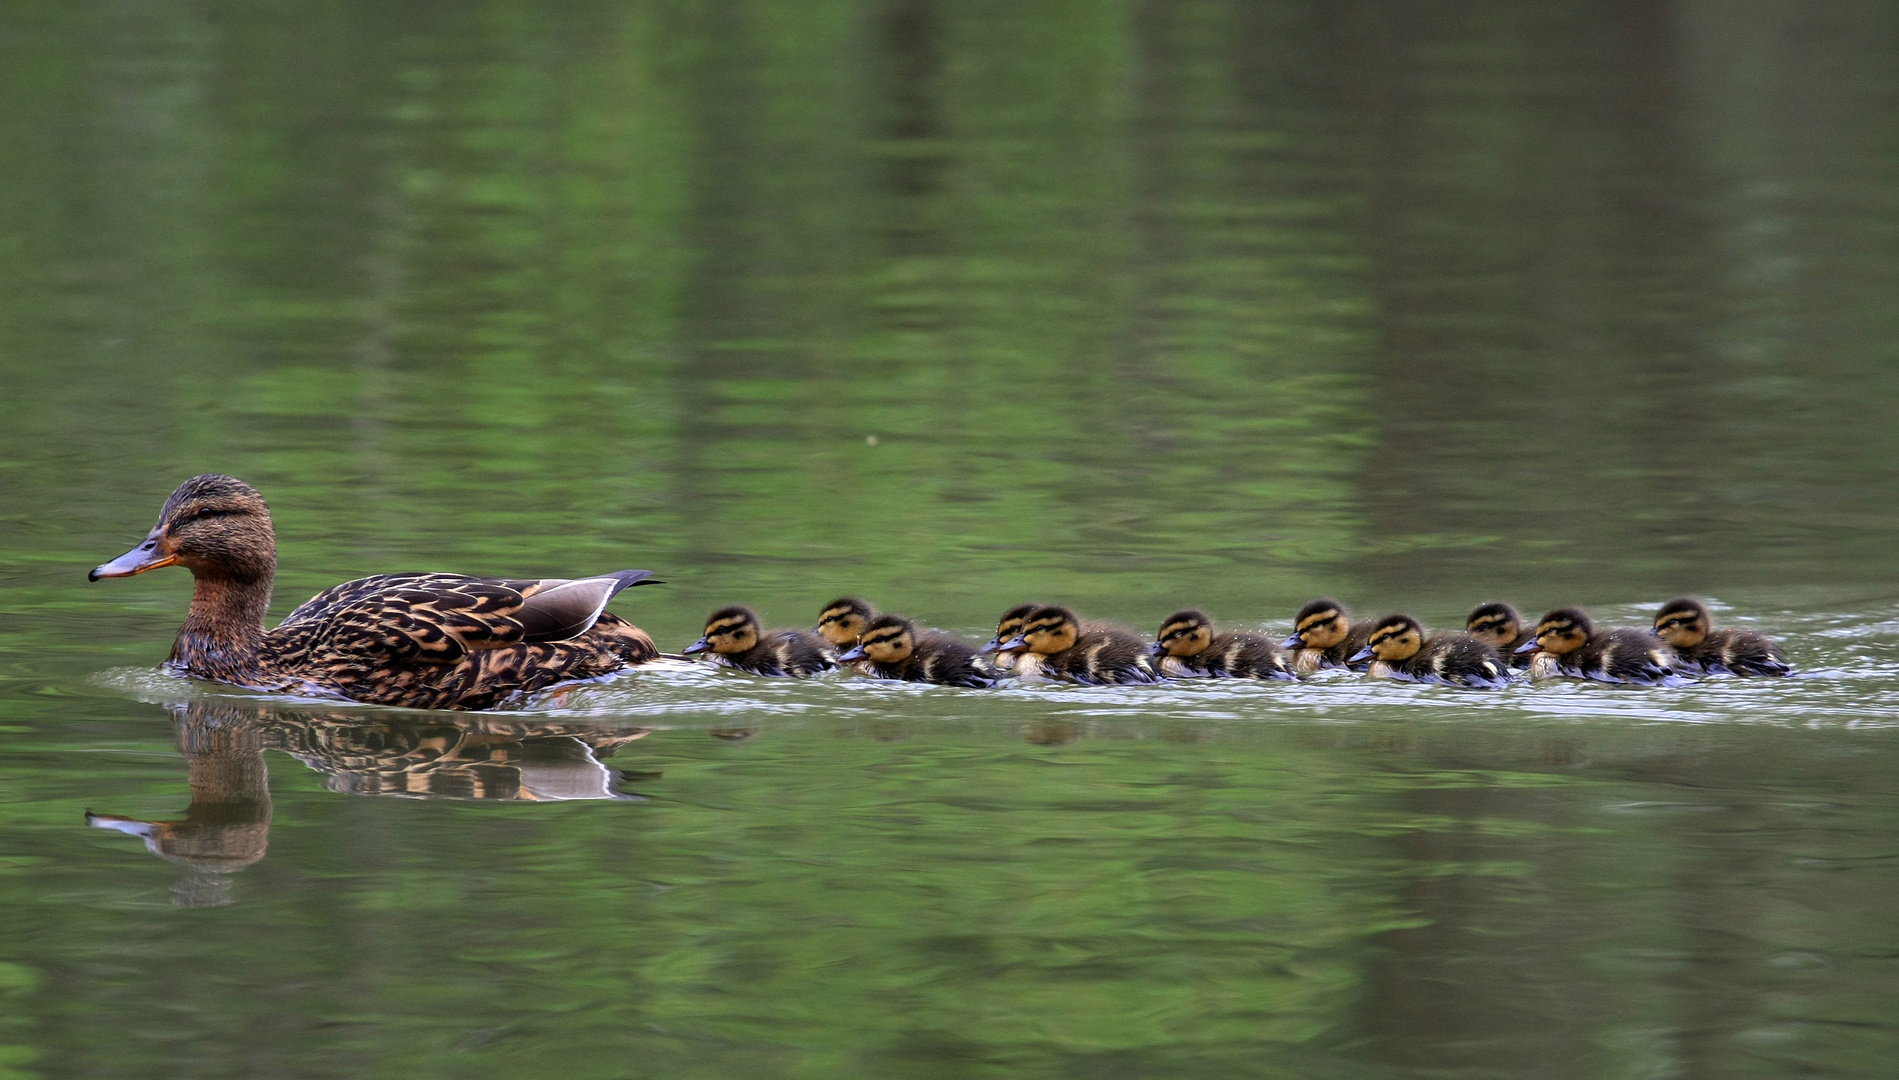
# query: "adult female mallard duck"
x,y
1567,643
1399,649
1498,625
1187,646
734,639
896,649
1324,637
1689,630
424,641
1055,645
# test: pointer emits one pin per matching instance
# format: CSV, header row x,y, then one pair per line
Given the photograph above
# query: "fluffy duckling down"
x,y
896,649
1686,626
1187,646
1323,636
1567,643
1398,649
734,639
1055,645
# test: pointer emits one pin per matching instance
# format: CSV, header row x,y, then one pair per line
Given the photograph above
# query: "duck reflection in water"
x,y
226,827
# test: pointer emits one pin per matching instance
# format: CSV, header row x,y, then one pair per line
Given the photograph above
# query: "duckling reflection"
x,y
226,827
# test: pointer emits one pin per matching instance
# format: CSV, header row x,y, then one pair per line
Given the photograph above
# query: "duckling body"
x,y
1057,646
1498,625
1008,628
1687,627
895,649
1324,636
425,641
734,639
1398,649
1187,647
841,623
1568,644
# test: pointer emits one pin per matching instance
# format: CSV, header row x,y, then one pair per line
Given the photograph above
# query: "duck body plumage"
x,y
1325,637
1451,659
893,648
1059,646
1686,626
1187,647
419,640
1585,652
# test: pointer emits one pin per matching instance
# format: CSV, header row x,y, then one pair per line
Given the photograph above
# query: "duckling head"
x,y
1683,623
1561,631
216,526
1394,639
1050,630
1496,624
1184,633
844,620
1009,627
1319,625
889,639
728,630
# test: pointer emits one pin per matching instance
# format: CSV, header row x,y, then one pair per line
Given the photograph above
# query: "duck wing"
x,y
440,618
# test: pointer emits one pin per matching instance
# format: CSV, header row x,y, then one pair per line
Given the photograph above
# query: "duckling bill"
x,y
734,639
1686,626
1397,648
1188,647
896,649
1008,629
423,641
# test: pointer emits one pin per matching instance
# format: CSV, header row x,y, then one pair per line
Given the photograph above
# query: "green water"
x,y
955,305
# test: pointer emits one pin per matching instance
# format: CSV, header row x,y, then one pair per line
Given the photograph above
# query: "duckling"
x,y
1567,643
1008,628
1398,649
1498,625
1058,646
895,649
1187,646
1685,624
1325,637
735,640
841,623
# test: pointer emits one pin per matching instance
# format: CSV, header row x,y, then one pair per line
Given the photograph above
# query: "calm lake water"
x,y
954,305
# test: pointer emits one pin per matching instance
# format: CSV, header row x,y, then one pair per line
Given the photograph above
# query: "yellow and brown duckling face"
x,y
215,526
889,639
1184,633
1496,624
1321,624
1050,630
728,630
1561,632
1009,627
1683,623
844,620
1395,639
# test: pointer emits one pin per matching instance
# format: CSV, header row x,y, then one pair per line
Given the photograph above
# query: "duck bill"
x,y
1292,642
1013,644
994,645
1528,646
856,653
155,551
1360,656
697,647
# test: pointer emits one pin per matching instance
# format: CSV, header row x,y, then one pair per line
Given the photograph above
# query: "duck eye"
x,y
205,511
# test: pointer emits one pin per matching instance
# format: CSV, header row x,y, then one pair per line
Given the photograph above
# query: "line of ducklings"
x,y
1036,641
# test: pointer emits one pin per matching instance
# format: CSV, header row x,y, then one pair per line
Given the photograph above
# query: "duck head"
x,y
216,526
1496,624
728,630
1049,630
1184,633
1560,632
1009,627
1683,623
844,620
1319,625
1396,638
889,639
